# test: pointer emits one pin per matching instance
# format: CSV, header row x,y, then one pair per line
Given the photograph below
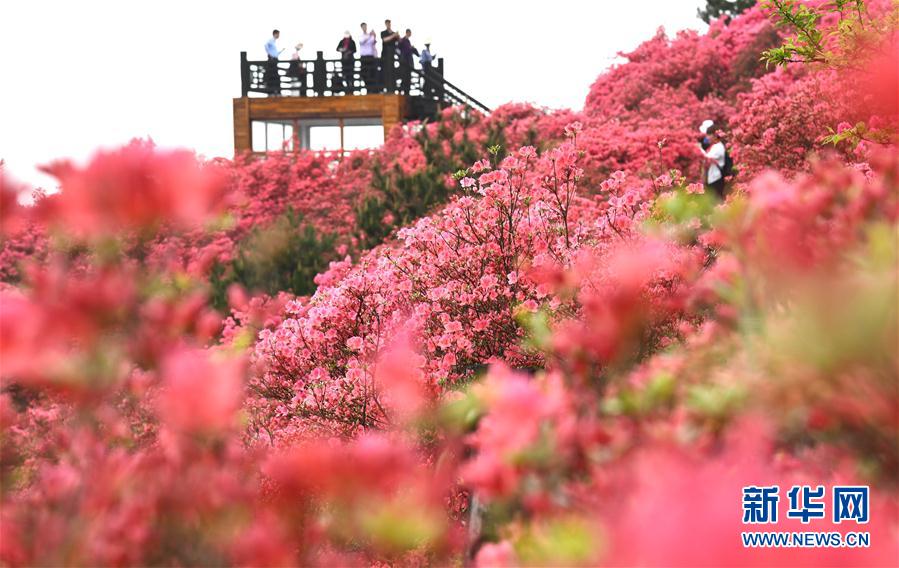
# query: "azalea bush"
x,y
524,339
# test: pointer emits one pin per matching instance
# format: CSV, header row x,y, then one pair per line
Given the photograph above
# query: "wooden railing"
x,y
322,77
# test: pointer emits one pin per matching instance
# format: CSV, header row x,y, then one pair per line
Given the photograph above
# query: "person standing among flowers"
x,y
715,159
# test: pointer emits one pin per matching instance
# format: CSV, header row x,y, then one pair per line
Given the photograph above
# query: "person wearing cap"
x,y
704,139
425,59
407,50
368,51
347,47
715,157
297,71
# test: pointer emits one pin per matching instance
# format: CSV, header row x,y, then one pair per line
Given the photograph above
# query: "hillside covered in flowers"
x,y
525,338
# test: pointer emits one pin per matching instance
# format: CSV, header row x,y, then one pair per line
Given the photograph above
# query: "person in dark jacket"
x,y
389,39
407,50
347,49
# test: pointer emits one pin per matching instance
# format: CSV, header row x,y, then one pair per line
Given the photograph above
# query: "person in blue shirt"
x,y
272,78
426,58
271,46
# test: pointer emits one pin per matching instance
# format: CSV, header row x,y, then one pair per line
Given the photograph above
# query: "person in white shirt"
x,y
368,52
715,158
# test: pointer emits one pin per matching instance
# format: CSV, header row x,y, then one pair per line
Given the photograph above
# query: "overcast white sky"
x,y
78,75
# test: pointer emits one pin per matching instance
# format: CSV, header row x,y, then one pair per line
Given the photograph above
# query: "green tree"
x,y
285,256
288,254
852,44
714,9
403,198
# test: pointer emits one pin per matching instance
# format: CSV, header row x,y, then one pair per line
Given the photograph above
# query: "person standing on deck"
x,y
297,71
426,59
347,49
389,39
368,51
272,78
407,50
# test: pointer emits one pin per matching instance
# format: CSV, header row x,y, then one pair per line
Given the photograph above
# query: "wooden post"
x,y
319,74
306,142
243,132
439,79
244,74
393,110
340,124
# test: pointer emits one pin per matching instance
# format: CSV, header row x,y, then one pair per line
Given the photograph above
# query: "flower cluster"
x,y
562,352
458,280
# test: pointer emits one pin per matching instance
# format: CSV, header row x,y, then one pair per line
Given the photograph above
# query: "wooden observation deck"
x,y
300,95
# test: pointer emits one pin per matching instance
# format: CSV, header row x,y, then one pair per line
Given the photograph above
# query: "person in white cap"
x,y
715,158
347,49
297,71
704,139
425,58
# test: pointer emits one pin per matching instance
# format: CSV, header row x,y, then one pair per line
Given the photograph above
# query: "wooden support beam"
x,y
393,112
359,106
243,133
